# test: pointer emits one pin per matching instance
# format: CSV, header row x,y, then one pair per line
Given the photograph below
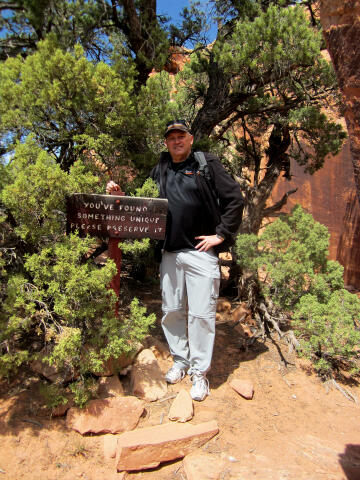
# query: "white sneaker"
x,y
175,375
200,388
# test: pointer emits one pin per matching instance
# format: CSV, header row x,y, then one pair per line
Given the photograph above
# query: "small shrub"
x,y
83,390
53,394
329,332
300,280
140,251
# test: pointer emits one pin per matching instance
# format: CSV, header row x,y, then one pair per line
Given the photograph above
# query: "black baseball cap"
x,y
176,125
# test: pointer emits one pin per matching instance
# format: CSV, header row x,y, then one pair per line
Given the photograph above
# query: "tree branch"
x,y
269,211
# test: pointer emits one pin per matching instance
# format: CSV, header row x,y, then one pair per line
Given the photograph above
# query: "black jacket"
x,y
220,194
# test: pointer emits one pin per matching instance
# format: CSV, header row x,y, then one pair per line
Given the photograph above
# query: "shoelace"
x,y
197,377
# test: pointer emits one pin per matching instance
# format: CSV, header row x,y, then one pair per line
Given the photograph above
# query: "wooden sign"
x,y
116,216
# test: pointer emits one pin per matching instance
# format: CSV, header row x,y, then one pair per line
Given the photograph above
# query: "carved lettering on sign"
x,y
116,216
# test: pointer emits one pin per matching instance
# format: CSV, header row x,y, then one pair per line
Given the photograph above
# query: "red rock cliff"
x,y
340,20
330,196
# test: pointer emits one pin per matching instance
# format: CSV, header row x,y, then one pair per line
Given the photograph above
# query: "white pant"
x,y
190,279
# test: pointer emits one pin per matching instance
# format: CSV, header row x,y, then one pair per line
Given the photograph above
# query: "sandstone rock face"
x,y
60,410
147,447
225,273
243,387
330,196
110,446
341,25
109,415
110,387
182,409
49,371
159,349
177,60
147,380
115,365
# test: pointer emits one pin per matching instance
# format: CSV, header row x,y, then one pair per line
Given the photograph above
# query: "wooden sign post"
x,y
115,254
116,217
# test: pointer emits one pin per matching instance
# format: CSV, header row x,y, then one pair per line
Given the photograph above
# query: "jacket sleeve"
x,y
231,200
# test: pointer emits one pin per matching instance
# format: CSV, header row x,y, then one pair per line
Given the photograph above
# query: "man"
x,y
189,271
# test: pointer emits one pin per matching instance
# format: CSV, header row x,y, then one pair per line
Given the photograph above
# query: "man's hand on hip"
x,y
207,242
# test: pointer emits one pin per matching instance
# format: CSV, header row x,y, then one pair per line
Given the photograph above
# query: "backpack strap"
x,y
203,165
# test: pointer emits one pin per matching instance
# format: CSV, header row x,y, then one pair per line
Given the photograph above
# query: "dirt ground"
x,y
294,428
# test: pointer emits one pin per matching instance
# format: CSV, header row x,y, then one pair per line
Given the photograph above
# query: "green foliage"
x,y
193,27
293,252
69,307
28,21
247,251
278,38
319,136
329,331
66,101
53,394
68,120
140,251
36,195
57,297
149,189
11,361
136,247
83,390
262,91
64,302
292,257
137,322
60,269
155,109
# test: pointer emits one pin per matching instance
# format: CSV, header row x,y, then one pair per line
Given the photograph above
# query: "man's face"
x,y
179,145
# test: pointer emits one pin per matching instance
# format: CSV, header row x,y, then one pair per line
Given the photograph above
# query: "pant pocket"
x,y
214,295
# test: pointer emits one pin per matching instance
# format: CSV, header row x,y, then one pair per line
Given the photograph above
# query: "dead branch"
x,y
270,319
343,390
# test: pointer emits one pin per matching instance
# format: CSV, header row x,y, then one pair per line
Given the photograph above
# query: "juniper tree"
x,y
259,91
54,296
72,107
297,286
101,27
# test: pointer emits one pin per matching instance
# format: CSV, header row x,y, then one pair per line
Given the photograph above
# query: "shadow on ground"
x,y
350,461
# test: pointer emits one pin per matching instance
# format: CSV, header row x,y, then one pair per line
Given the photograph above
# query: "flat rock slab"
x,y
203,466
182,409
147,380
108,415
244,388
148,447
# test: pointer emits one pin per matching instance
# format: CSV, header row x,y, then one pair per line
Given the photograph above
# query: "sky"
x,y
172,8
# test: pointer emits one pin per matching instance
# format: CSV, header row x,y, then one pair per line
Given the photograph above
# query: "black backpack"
x,y
206,185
